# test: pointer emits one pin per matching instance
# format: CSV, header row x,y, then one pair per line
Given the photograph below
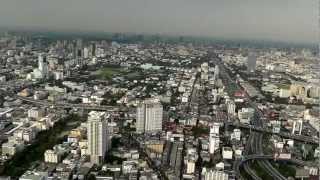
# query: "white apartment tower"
x,y
211,174
43,65
191,166
149,116
215,128
231,108
251,62
97,136
297,127
216,72
214,139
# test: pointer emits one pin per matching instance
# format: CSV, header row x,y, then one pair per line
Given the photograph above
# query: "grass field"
x,y
108,72
284,86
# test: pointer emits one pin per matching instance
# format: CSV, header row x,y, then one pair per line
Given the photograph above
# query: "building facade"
x,y
149,116
97,136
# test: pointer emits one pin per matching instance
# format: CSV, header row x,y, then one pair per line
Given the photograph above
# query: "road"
x,y
246,165
300,138
69,105
257,138
271,157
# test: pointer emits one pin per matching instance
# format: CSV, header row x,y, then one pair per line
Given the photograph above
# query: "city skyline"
x,y
100,108
155,90
290,21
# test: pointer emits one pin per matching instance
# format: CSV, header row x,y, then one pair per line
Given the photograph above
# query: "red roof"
x,y
239,94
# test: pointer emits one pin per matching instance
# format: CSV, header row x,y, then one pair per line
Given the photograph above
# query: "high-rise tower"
x,y
214,139
43,65
251,62
149,116
97,136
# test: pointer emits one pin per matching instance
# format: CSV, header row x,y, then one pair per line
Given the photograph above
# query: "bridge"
x,y
300,138
70,105
271,157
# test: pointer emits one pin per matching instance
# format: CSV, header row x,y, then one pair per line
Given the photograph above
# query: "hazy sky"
x,y
286,20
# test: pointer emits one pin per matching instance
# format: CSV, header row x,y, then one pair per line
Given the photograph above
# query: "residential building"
x,y
97,136
149,116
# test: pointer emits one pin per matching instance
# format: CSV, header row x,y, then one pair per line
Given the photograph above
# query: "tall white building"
x,y
227,153
214,139
85,52
216,72
43,65
251,62
97,136
246,115
210,174
51,156
36,113
236,134
149,116
205,67
215,128
191,166
204,71
214,142
231,108
297,127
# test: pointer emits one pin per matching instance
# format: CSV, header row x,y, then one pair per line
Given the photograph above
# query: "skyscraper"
x,y
79,47
251,62
204,71
93,49
43,65
85,52
231,108
74,50
79,44
97,136
214,139
216,72
297,127
149,116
